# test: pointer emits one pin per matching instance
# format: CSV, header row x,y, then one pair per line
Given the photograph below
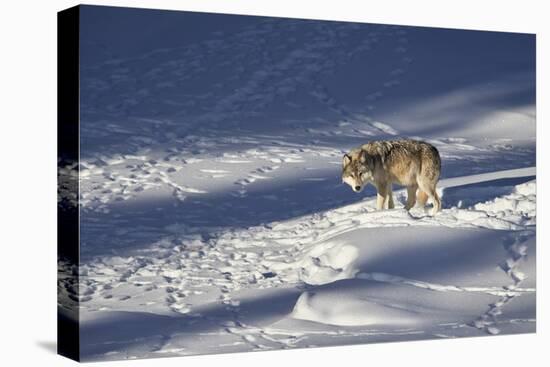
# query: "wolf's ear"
x,y
347,160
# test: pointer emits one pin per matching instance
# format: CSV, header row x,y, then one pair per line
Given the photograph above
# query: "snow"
x,y
213,217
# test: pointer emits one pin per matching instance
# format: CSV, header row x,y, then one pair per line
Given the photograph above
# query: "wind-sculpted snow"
x,y
461,271
213,217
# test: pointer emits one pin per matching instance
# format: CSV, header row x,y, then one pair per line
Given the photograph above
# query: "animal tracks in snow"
x,y
212,207
517,248
253,176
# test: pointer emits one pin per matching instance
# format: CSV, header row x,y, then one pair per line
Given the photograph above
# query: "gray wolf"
x,y
411,163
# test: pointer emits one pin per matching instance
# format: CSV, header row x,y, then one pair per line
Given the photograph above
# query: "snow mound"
x,y
349,311
328,262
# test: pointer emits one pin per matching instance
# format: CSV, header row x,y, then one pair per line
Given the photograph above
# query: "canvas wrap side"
x,y
68,338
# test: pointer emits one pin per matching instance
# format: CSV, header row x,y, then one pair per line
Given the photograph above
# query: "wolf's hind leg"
x,y
411,196
437,202
422,198
429,189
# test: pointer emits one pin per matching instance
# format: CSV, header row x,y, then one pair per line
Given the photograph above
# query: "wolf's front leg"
x,y
381,198
389,198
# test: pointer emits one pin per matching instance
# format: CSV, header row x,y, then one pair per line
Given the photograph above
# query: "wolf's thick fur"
x,y
411,163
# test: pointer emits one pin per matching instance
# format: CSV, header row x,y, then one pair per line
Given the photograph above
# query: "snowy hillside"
x,y
213,217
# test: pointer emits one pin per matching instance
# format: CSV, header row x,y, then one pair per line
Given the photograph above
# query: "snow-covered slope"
x,y
213,218
347,275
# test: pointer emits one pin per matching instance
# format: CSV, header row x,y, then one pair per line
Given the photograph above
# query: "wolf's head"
x,y
357,169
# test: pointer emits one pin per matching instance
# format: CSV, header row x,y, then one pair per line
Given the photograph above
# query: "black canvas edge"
x,y
68,237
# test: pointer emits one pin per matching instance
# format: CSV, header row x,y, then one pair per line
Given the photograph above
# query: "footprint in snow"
x,y
252,177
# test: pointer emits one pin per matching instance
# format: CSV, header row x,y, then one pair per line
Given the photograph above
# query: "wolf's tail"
x,y
431,163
